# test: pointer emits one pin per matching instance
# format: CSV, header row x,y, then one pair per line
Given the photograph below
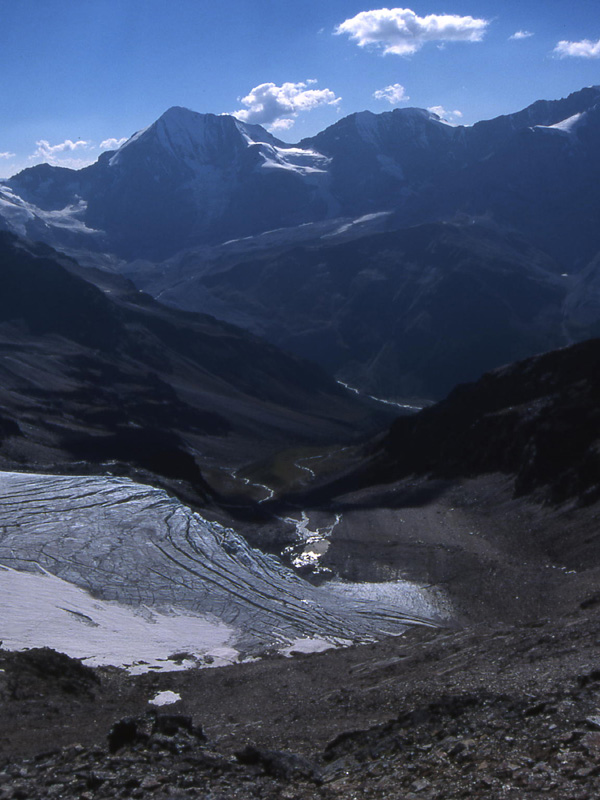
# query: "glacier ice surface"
x,y
113,571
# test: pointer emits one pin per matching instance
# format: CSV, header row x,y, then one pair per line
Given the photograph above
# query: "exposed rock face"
x,y
43,671
538,419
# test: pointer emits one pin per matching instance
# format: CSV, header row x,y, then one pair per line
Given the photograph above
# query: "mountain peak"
x,y
175,112
179,116
186,136
199,137
415,112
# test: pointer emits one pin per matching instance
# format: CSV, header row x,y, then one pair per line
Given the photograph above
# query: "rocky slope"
x,y
399,314
101,374
494,712
536,421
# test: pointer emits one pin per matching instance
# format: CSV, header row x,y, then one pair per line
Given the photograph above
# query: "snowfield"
x,y
41,609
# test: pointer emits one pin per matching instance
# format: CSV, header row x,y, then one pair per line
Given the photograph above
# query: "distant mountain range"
x,y
190,179
309,244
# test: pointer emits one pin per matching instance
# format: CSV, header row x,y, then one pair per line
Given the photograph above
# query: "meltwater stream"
x,y
117,572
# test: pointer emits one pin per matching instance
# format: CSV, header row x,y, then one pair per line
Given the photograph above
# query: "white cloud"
x,y
283,124
74,155
112,144
277,106
7,155
50,151
449,116
395,93
61,155
401,32
584,49
521,35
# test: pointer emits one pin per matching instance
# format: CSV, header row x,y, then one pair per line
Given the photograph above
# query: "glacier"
x,y
113,571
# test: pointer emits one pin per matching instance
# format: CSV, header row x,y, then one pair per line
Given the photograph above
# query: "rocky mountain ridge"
x,y
473,246
195,178
535,421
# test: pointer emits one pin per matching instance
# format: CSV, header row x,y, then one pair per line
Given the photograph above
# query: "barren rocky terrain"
x,y
491,711
503,702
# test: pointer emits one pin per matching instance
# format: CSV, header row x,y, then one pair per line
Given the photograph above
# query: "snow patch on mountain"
x,y
18,214
294,159
567,126
356,224
15,212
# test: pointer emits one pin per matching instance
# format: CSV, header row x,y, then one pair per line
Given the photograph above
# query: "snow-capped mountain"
x,y
187,179
191,179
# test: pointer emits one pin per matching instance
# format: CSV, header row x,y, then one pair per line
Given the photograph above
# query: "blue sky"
x,y
80,75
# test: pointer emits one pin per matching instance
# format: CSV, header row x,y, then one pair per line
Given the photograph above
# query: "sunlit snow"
x,y
567,126
113,571
165,698
19,214
294,159
43,610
